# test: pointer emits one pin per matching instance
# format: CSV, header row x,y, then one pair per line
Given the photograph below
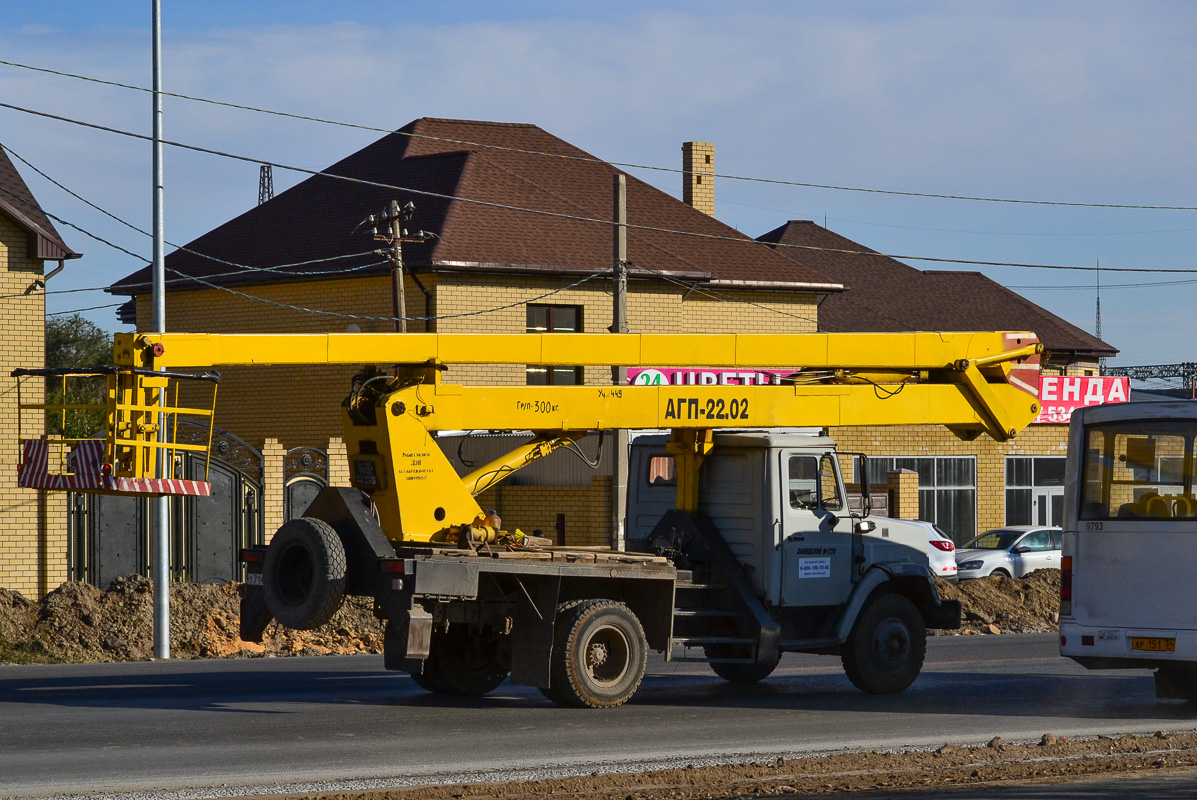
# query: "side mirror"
x,y
1019,549
866,496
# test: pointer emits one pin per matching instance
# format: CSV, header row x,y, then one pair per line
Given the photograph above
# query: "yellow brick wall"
x,y
587,510
33,540
301,406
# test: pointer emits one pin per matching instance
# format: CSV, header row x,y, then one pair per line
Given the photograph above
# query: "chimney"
x,y
698,178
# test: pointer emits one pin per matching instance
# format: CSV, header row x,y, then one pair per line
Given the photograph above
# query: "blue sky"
x,y
1073,101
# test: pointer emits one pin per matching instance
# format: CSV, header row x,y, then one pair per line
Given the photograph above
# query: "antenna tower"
x,y
1101,362
265,184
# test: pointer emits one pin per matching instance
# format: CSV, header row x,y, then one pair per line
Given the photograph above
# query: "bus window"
x,y
1138,470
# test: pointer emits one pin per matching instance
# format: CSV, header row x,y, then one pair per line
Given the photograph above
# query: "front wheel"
x,y
599,655
885,650
999,573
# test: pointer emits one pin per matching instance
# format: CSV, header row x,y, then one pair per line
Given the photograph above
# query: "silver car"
x,y
1013,551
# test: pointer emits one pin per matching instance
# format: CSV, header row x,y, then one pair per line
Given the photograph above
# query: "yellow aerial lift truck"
x,y
467,603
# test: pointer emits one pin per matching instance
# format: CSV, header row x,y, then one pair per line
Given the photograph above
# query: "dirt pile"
x,y
1008,605
79,623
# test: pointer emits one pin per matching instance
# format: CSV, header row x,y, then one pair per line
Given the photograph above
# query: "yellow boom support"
x,y
970,382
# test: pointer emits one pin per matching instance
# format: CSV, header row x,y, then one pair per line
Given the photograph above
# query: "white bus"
x,y
1128,597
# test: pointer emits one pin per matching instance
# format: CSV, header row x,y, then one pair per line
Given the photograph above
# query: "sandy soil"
x,y
80,623
1052,759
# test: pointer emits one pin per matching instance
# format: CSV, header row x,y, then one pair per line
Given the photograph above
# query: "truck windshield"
x,y
1138,470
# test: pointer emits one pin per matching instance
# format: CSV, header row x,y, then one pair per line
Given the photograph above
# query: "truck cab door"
x,y
816,531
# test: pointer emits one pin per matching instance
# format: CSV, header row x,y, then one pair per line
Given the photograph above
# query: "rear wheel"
x,y
1178,682
599,655
465,661
739,673
885,650
303,577
429,679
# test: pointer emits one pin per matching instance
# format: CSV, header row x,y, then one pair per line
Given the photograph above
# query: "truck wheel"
x,y
1176,682
304,574
467,663
740,673
599,655
885,650
430,679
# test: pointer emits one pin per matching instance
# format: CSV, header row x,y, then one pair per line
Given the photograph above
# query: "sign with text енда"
x,y
1059,395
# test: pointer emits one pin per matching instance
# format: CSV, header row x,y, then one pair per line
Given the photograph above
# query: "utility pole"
x,y
393,218
161,504
619,375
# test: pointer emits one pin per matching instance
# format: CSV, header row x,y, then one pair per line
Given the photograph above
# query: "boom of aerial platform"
x,y
973,383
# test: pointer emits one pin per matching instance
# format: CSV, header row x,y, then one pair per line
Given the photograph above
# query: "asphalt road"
x,y
310,723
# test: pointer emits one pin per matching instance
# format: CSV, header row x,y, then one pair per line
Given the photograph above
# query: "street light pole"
x,y
161,504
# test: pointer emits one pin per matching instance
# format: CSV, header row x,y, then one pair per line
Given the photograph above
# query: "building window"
x,y
554,319
947,490
1034,490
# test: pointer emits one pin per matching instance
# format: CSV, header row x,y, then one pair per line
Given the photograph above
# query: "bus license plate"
x,y
253,578
1153,645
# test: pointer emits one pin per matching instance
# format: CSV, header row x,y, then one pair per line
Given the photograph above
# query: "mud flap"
x,y
532,634
255,616
407,640
944,615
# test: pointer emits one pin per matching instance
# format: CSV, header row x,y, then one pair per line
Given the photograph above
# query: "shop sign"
x,y
1060,395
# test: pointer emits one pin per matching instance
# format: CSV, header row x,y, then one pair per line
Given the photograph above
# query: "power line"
x,y
1093,287
245,268
717,295
242,267
341,315
578,217
627,165
78,310
186,278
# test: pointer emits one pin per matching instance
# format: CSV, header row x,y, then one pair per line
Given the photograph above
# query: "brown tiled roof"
x,y
18,203
450,159
884,294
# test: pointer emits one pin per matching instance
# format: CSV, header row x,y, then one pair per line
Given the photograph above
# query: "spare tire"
x,y
304,574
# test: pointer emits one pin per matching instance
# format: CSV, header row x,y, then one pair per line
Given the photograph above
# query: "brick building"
x,y
489,267
33,539
965,487
302,262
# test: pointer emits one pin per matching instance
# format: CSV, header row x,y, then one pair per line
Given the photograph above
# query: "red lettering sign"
x,y
1060,395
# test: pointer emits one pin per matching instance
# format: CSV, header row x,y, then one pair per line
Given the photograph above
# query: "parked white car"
x,y
941,554
940,549
1013,551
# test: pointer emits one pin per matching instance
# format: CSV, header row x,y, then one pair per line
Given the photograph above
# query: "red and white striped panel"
x,y
35,471
1024,374
90,474
159,486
